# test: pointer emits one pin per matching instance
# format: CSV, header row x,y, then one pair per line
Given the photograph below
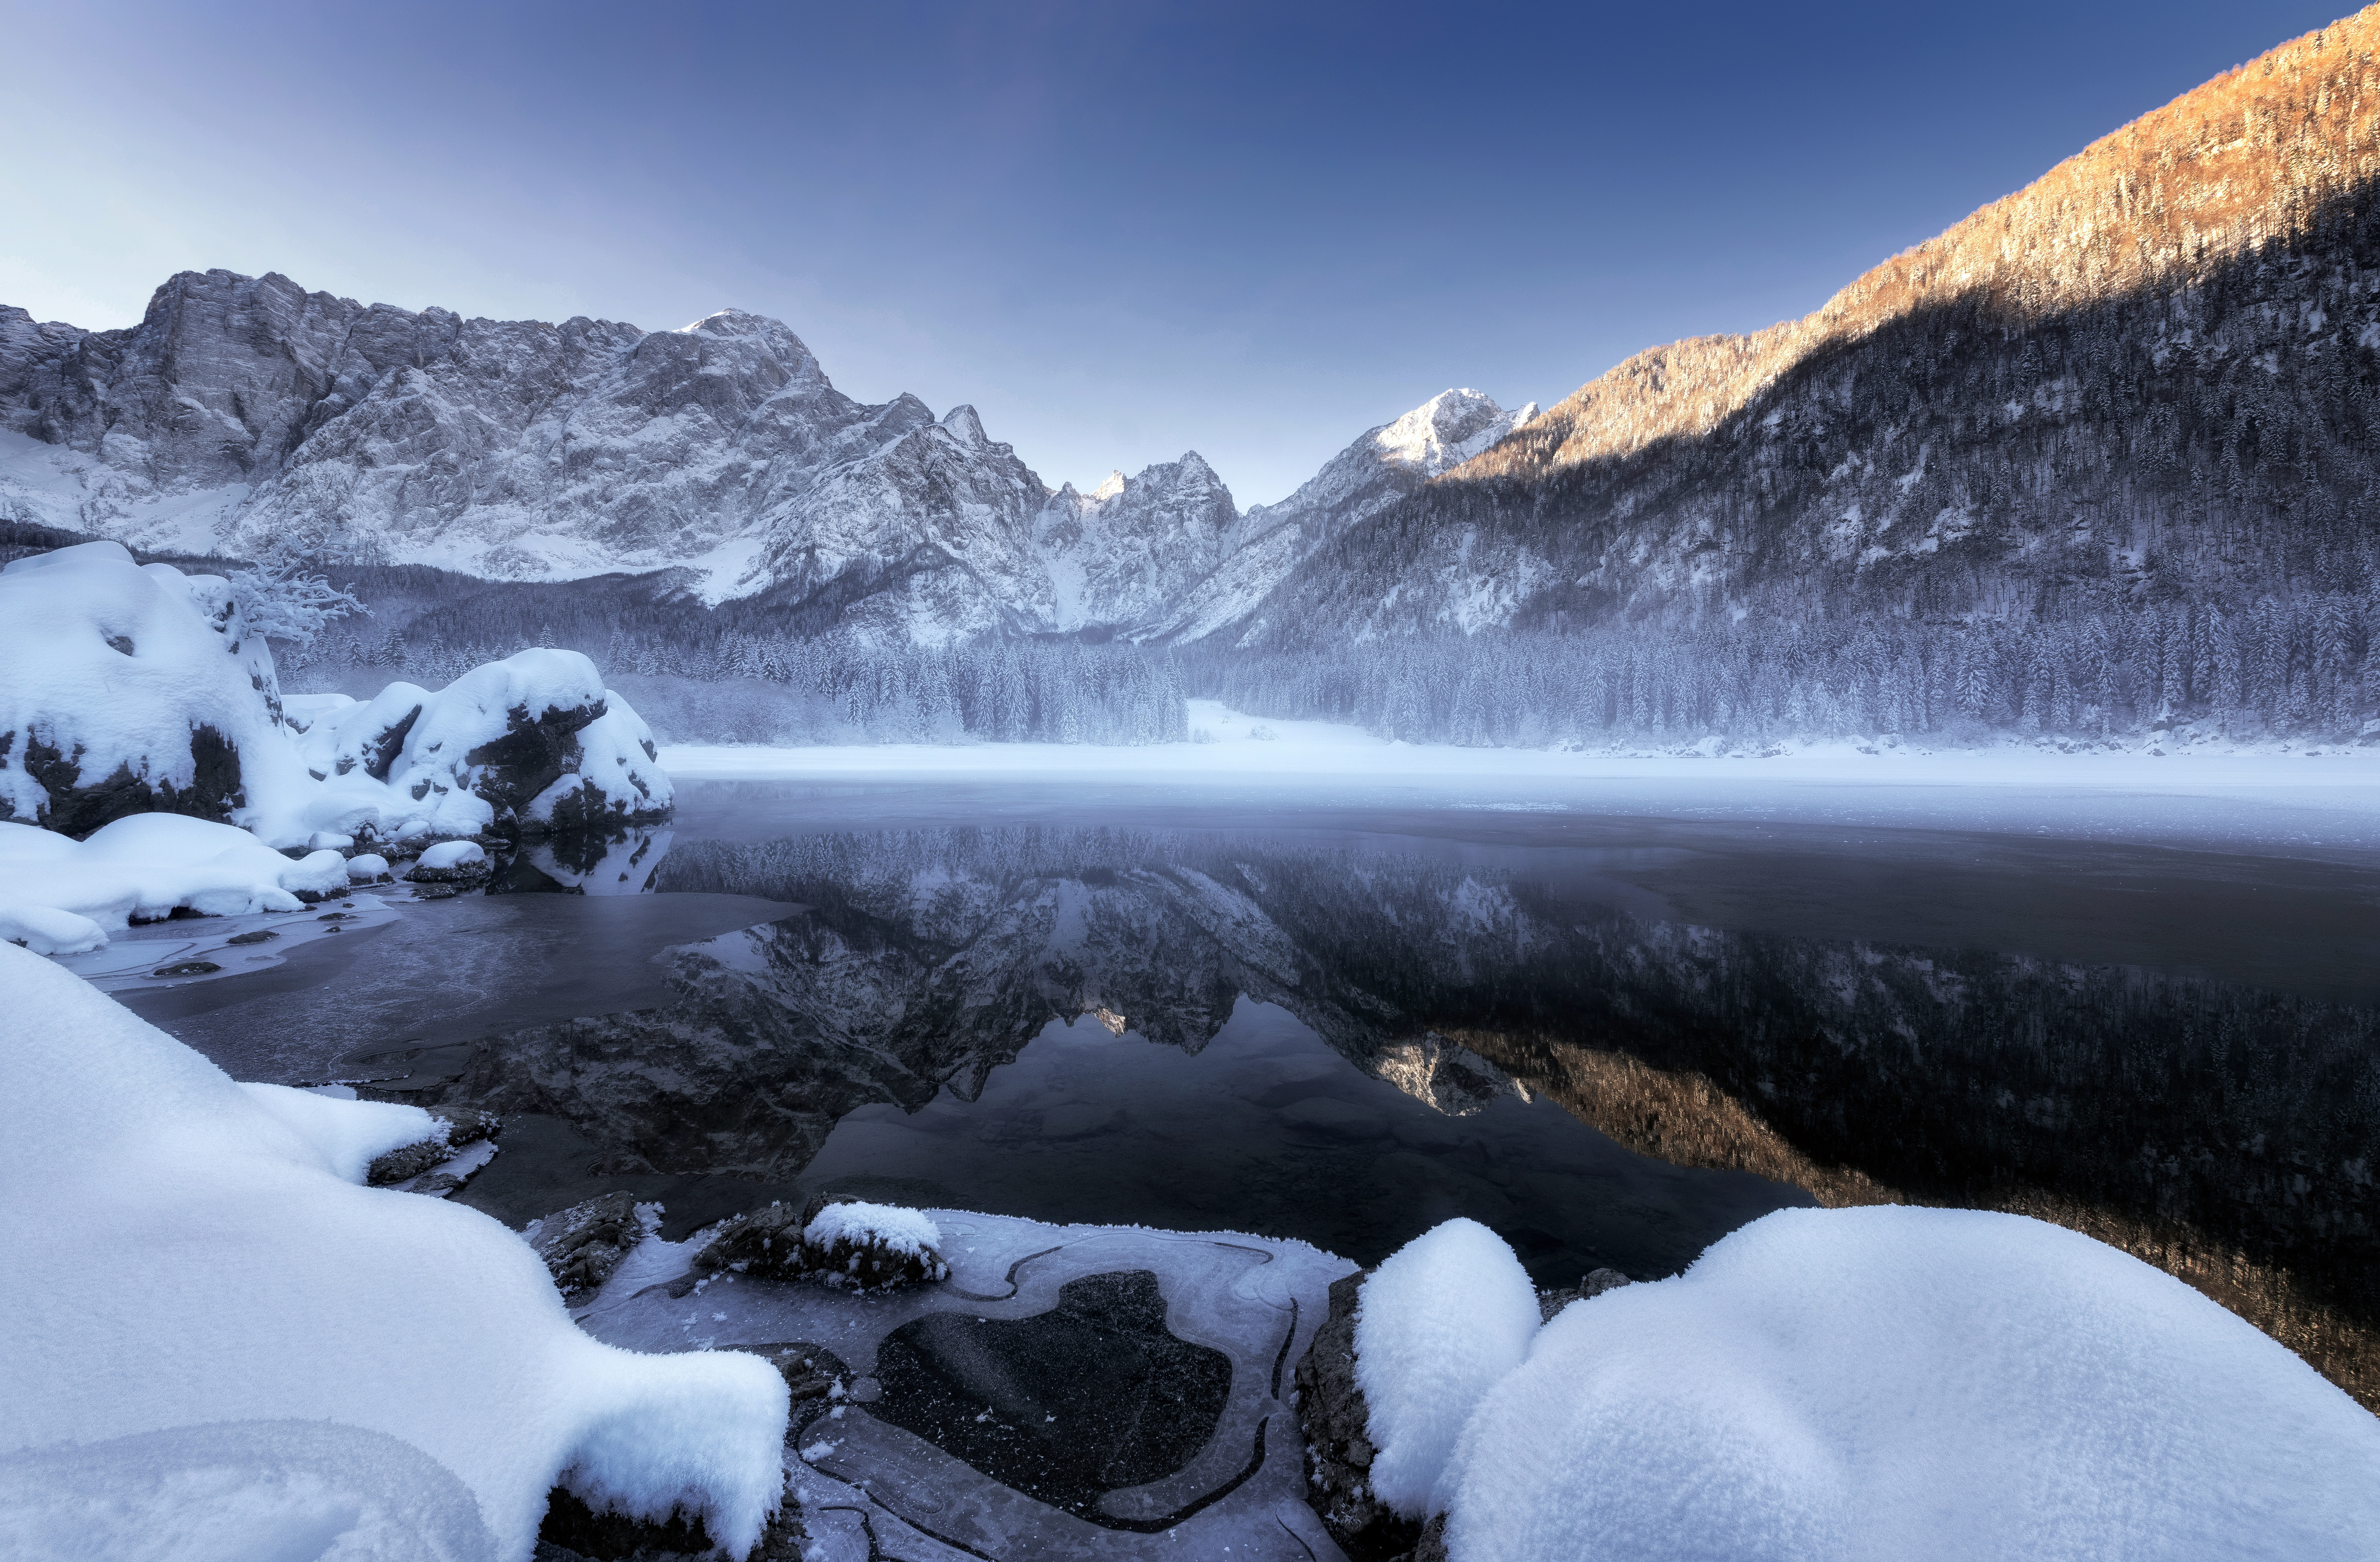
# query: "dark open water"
x,y
1612,1037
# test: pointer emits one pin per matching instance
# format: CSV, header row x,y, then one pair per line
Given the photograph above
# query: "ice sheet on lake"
x,y
134,958
1259,1299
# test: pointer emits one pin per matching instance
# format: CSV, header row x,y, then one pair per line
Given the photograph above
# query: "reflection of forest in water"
x,y
2224,1133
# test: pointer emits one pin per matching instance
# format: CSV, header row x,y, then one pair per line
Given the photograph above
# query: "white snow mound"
x,y
1436,1326
116,666
1874,1385
890,1226
188,1260
59,896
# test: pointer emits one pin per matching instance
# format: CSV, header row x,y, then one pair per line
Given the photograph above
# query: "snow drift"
x,y
1442,1321
1891,1383
62,896
186,1251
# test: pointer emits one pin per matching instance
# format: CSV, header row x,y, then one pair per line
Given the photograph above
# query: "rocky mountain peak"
x,y
961,421
1448,430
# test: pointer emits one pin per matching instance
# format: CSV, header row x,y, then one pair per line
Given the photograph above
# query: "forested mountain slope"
x,y
2104,451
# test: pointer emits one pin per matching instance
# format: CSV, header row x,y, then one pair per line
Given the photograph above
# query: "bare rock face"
x,y
465,1125
1594,1284
1339,1451
764,1243
582,1245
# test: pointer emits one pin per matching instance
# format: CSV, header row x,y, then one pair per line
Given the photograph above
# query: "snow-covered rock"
x,y
1442,1321
125,689
846,1244
1888,1383
192,1259
534,742
134,709
872,1246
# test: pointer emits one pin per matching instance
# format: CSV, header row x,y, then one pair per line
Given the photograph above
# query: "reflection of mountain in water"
x,y
925,961
616,861
2230,1133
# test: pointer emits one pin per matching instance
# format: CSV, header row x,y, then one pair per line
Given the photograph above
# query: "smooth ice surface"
x,y
1439,1323
1259,1299
173,953
184,1251
1893,1382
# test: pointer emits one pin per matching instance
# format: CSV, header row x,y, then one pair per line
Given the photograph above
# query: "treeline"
x,y
2308,668
743,687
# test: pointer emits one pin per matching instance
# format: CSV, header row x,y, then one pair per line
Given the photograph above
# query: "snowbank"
x,y
1442,1322
59,896
1893,1382
185,1252
119,682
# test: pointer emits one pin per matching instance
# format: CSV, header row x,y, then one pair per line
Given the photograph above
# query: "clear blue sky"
x,y
1119,230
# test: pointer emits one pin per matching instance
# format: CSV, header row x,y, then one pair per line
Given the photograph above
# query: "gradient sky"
x,y
1119,230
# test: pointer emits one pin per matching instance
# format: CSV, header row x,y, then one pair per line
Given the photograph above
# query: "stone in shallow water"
x,y
1088,1398
582,1245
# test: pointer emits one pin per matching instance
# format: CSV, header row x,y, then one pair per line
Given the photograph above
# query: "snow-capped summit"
x,y
1380,467
1446,431
961,421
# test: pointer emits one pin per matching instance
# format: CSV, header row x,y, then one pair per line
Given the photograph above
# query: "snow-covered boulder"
x,y
192,1264
60,896
845,1242
534,742
125,689
450,862
1891,1383
1442,1322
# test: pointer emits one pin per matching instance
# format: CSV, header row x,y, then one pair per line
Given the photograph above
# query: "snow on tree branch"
x,y
281,600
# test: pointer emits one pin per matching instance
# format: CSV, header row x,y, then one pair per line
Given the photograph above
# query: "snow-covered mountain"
x,y
2141,382
1380,467
244,410
1124,552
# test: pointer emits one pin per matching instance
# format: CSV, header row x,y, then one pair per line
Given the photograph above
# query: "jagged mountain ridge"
x,y
2149,377
242,411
